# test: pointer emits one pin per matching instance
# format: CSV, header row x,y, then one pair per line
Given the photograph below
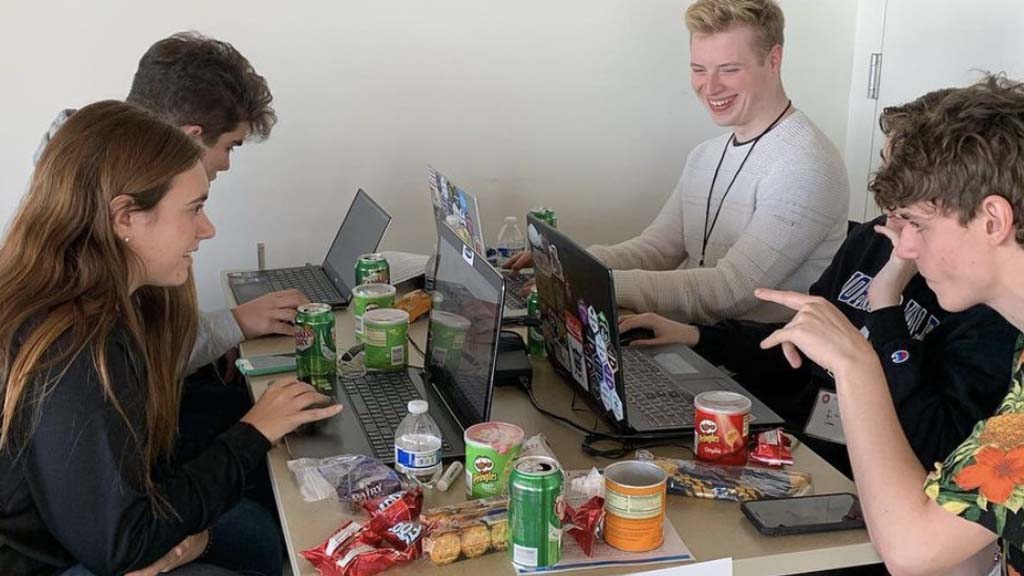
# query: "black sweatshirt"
x,y
74,494
954,373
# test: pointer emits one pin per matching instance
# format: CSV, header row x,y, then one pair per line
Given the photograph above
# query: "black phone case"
x,y
846,524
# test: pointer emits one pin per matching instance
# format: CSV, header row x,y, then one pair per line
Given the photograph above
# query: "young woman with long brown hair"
x,y
97,322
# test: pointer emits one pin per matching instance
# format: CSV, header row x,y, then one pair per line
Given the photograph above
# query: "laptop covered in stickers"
x,y
637,389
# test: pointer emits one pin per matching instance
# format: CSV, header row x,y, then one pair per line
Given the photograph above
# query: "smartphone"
x,y
803,514
261,365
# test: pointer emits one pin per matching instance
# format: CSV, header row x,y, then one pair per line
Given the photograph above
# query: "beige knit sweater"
x,y
780,225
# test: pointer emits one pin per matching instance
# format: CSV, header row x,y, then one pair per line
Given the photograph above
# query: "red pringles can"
x,y
721,427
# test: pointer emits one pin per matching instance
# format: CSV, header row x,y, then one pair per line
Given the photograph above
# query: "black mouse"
x,y
635,334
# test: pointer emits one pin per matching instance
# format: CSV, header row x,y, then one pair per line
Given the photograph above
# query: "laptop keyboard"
x,y
514,283
309,281
653,394
381,401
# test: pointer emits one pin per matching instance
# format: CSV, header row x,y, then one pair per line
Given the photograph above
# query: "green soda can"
x,y
370,297
545,214
315,354
372,269
534,335
534,530
385,332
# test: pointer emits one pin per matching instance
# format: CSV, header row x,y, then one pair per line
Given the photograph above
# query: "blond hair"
x,y
764,16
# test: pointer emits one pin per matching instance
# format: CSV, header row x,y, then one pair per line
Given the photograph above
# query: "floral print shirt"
x,y
983,479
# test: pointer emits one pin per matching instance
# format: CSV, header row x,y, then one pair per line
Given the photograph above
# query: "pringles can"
x,y
534,529
370,297
385,333
372,269
491,448
315,354
721,425
634,505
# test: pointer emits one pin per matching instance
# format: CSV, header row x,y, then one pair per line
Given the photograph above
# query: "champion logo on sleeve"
x,y
900,356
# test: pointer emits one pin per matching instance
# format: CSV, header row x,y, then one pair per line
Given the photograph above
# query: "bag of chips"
x,y
736,483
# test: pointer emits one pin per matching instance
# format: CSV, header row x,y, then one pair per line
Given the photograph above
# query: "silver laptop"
x,y
457,383
331,282
637,389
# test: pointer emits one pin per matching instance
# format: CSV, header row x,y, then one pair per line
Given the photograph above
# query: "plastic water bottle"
x,y
510,240
418,446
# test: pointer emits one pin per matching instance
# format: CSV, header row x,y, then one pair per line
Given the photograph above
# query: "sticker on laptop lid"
x,y
468,255
574,342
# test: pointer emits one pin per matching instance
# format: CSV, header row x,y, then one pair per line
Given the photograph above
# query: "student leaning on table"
x,y
98,320
957,177
765,205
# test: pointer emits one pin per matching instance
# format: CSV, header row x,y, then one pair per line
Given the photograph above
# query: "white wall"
x,y
581,105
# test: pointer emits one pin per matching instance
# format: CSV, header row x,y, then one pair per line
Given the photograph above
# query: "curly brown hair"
x,y
191,79
969,146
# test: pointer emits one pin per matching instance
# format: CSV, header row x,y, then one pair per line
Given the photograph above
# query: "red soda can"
x,y
721,427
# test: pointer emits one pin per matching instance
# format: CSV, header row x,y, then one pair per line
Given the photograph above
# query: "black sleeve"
x,y
736,344
84,469
942,389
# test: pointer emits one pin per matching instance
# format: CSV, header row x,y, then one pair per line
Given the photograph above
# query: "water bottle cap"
x,y
417,406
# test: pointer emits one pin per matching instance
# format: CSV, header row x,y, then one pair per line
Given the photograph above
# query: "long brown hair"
x,y
64,275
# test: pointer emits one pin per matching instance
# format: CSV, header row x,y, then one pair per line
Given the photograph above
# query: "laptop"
x,y
332,282
457,381
637,389
459,211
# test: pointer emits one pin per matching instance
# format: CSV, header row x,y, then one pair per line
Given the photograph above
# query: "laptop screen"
x,y
360,233
579,316
464,326
456,208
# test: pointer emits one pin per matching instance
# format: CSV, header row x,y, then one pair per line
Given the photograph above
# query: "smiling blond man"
x,y
763,205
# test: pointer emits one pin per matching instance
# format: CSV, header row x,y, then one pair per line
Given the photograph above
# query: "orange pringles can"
x,y
634,505
721,427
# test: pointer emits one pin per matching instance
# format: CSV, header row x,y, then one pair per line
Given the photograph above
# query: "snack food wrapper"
x,y
389,510
736,483
353,550
537,445
356,478
466,530
772,449
585,523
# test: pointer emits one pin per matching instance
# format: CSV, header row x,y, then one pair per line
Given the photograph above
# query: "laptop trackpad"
x,y
675,363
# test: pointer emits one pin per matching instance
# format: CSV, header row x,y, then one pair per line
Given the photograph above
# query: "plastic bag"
x,y
736,483
350,478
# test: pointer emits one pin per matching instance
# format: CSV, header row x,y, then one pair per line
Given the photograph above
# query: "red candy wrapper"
x,y
772,448
389,510
353,550
585,523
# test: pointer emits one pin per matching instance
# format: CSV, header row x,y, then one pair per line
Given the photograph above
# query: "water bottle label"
x,y
417,459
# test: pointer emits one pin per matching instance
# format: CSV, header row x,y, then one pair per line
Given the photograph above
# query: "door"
x,y
925,45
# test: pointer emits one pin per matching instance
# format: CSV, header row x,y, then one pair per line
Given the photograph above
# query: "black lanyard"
x,y
707,209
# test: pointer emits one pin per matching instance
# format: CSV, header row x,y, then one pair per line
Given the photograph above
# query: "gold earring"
x,y
127,239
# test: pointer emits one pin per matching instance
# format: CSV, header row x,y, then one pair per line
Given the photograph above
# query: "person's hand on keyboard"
x,y
287,404
665,331
269,314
